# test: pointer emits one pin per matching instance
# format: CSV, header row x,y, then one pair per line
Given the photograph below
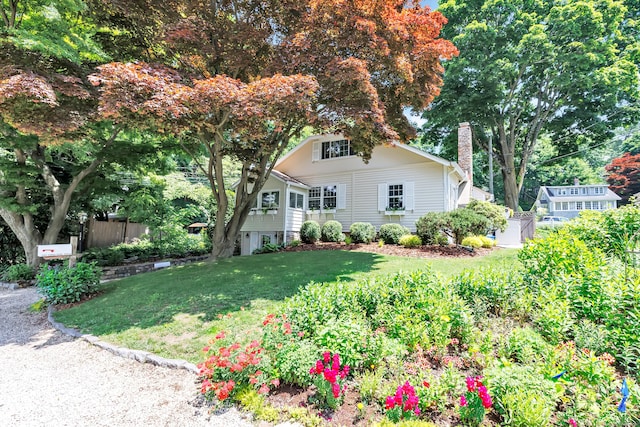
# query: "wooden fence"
x,y
527,225
102,234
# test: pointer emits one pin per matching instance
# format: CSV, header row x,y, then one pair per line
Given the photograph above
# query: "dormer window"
x,y
334,149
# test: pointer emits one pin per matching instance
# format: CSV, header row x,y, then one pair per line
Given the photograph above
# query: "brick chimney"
x,y
465,160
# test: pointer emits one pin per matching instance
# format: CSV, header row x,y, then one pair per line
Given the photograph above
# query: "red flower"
x,y
335,389
326,356
220,335
264,389
330,375
426,384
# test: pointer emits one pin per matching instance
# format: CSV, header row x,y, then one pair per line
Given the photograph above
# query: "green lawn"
x,y
174,312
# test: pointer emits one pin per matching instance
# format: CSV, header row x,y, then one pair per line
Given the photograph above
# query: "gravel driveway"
x,y
50,379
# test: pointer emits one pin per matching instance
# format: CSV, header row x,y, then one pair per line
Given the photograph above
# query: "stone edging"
x,y
10,286
138,355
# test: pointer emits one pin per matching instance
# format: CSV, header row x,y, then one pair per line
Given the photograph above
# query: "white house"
x,y
568,200
322,179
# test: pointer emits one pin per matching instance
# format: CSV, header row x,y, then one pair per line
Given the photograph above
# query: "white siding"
x,y
362,194
269,222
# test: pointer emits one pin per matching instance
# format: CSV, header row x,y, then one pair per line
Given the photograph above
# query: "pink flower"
x,y
463,401
264,389
389,403
335,389
573,422
471,384
330,375
326,356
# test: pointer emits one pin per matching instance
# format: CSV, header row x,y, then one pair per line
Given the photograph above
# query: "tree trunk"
x,y
511,191
24,229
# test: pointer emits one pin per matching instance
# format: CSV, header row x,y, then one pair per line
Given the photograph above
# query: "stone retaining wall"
x,y
120,271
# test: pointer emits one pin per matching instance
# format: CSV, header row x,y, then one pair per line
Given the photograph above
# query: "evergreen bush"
x,y
310,231
391,233
332,232
362,232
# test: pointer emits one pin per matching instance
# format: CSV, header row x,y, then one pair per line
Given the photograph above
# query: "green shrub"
x,y
430,226
522,396
494,291
18,272
487,242
465,222
268,248
526,346
292,361
310,231
332,232
362,232
473,241
391,233
410,241
65,285
495,214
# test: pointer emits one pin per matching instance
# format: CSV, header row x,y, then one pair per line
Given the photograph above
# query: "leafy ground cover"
x,y
175,312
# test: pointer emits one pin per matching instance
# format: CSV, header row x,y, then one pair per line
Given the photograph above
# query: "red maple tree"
x,y
624,175
241,79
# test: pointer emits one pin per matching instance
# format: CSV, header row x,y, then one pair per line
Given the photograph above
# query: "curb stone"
x,y
126,353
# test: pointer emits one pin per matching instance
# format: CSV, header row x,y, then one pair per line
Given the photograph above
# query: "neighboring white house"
x,y
568,200
322,179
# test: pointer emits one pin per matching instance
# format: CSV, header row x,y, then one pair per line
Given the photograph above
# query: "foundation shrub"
x,y
495,214
310,231
410,241
461,223
472,241
429,227
391,233
18,272
332,232
362,232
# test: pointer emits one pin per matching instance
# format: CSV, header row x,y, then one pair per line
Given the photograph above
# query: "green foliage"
x,y
495,214
310,231
268,248
522,396
18,272
362,232
332,232
410,241
461,223
525,346
472,241
391,233
614,231
172,242
429,227
65,285
415,308
492,291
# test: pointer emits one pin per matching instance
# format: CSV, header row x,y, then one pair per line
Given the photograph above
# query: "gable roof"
x,y
413,150
287,179
550,193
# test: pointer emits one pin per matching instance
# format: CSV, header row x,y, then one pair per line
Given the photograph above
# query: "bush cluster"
x,y
65,285
18,272
174,245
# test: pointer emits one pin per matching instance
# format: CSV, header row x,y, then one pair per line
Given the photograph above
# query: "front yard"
x,y
547,336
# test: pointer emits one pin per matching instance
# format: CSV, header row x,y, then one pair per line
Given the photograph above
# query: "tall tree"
x,y
623,175
526,68
248,76
51,139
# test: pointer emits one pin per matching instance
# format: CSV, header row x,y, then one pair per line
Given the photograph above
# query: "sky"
x,y
433,4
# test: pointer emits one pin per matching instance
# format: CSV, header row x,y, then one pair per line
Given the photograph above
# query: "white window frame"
x,y
385,198
322,197
573,191
275,205
296,197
